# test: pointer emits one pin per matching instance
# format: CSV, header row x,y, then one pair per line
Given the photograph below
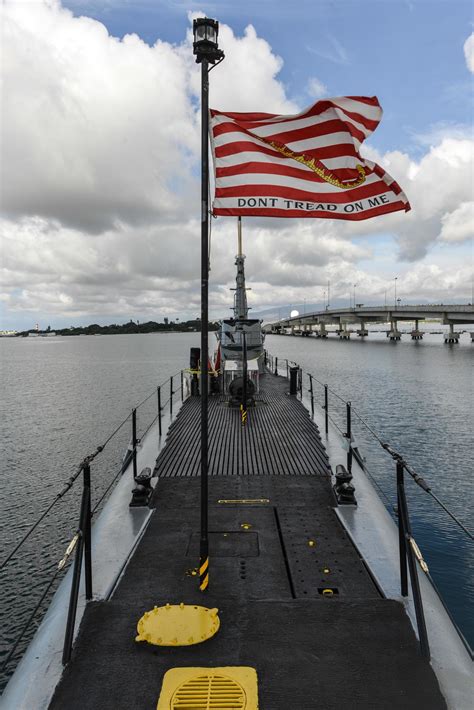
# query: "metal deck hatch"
x,y
178,625
227,688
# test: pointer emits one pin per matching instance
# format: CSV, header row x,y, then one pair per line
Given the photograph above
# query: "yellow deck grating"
x,y
229,688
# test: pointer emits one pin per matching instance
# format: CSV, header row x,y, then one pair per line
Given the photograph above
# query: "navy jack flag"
x,y
307,165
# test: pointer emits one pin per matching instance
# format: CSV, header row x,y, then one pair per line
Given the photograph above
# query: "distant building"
x,y
166,321
46,334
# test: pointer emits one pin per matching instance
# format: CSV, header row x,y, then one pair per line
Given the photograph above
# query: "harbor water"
x,y
61,397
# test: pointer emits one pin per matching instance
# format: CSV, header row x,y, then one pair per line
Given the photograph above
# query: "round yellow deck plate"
x,y
177,625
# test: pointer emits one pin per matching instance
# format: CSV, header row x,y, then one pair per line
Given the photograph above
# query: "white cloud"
x,y
437,184
247,79
315,88
99,130
469,52
80,115
100,185
437,132
458,226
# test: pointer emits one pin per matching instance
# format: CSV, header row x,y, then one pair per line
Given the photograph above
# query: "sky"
x,y
100,151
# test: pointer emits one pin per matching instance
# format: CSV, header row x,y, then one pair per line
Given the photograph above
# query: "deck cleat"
x,y
178,625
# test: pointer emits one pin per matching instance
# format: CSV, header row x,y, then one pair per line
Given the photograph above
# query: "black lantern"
x,y
205,46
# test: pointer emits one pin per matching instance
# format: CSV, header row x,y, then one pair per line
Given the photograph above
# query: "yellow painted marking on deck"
x,y
204,583
243,501
246,526
204,566
178,625
233,687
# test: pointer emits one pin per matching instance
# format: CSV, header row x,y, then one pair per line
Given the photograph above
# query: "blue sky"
x,y
101,150
407,52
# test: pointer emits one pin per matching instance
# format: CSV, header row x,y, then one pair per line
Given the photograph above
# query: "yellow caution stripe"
x,y
204,575
243,415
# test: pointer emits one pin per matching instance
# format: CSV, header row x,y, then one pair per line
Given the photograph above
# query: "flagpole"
x,y
204,541
207,52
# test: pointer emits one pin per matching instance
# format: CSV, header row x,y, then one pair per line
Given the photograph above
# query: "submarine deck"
x,y
354,649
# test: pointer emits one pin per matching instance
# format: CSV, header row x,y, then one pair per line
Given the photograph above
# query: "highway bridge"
x,y
315,324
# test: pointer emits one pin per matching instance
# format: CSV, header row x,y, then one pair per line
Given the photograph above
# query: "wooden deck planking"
x,y
279,438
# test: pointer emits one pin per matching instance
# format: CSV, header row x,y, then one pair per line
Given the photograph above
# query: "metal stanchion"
x,y
159,410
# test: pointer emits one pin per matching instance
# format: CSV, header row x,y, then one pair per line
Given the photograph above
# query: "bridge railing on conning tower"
x,y
341,413
132,430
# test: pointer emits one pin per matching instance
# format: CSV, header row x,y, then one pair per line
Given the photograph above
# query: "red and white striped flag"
x,y
307,165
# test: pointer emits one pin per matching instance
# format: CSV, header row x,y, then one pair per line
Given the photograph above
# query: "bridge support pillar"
x,y
416,333
362,332
452,336
292,330
472,336
344,334
322,331
394,333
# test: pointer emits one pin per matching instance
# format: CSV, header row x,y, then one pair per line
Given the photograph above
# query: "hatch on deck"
x,y
178,625
227,544
233,687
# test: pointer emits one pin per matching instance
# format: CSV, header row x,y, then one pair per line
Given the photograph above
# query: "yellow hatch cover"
x,y
177,625
231,687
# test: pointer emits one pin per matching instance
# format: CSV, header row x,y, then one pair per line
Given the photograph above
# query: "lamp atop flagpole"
x,y
205,46
206,52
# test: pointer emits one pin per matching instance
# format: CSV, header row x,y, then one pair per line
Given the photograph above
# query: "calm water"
x,y
61,397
